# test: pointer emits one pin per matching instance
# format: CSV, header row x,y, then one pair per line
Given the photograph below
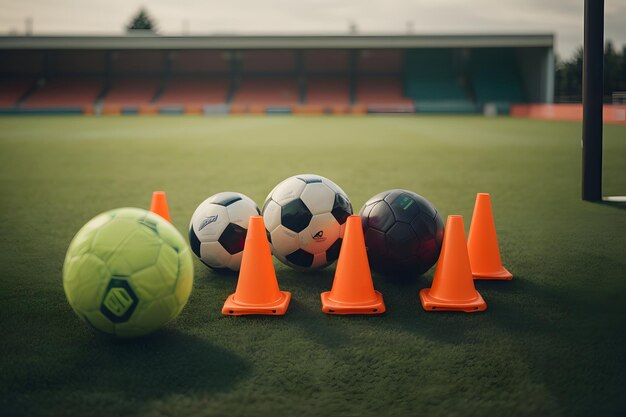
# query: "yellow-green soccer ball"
x,y
127,272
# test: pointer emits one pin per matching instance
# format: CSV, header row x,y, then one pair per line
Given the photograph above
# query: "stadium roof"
x,y
151,41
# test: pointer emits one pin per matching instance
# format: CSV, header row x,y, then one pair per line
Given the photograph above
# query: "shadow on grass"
x,y
569,338
166,362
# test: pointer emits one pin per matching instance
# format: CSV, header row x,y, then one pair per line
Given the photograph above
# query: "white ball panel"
x,y
250,201
214,254
318,198
284,241
288,190
271,215
321,233
240,211
337,189
209,221
235,261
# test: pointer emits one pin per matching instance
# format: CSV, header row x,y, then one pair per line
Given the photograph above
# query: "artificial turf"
x,y
552,342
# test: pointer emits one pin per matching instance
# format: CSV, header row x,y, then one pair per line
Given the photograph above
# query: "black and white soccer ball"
x,y
305,216
403,233
218,229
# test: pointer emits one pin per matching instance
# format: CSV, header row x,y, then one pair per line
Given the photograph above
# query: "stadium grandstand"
x,y
274,74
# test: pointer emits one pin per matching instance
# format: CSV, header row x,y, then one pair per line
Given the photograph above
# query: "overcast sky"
x,y
562,17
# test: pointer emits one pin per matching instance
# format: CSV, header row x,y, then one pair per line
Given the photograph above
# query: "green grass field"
x,y
552,342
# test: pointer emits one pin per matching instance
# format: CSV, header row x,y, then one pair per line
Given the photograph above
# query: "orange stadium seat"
x,y
132,91
195,92
267,92
327,91
12,89
65,92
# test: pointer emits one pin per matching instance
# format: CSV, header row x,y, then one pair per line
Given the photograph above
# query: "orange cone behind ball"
x,y
257,288
453,285
159,205
353,290
482,242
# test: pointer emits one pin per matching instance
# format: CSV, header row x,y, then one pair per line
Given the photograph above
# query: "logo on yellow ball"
x,y
119,300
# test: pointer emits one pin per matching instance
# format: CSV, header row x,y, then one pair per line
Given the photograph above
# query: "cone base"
x,y
430,303
330,306
279,308
502,274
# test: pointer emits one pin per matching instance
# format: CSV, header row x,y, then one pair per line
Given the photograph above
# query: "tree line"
x,y
569,74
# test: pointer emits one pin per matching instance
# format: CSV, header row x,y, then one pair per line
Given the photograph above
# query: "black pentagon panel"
x,y
119,301
300,258
227,201
295,215
332,253
402,241
341,208
381,217
233,238
194,242
269,235
310,180
404,207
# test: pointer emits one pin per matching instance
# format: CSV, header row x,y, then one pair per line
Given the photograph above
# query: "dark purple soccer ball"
x,y
403,233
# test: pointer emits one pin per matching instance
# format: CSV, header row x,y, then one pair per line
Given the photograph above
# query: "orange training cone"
x,y
257,288
159,205
453,286
353,290
482,242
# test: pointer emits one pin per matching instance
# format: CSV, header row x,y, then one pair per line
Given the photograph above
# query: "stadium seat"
x,y
12,89
433,78
327,91
65,92
132,91
496,78
375,91
194,91
267,92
